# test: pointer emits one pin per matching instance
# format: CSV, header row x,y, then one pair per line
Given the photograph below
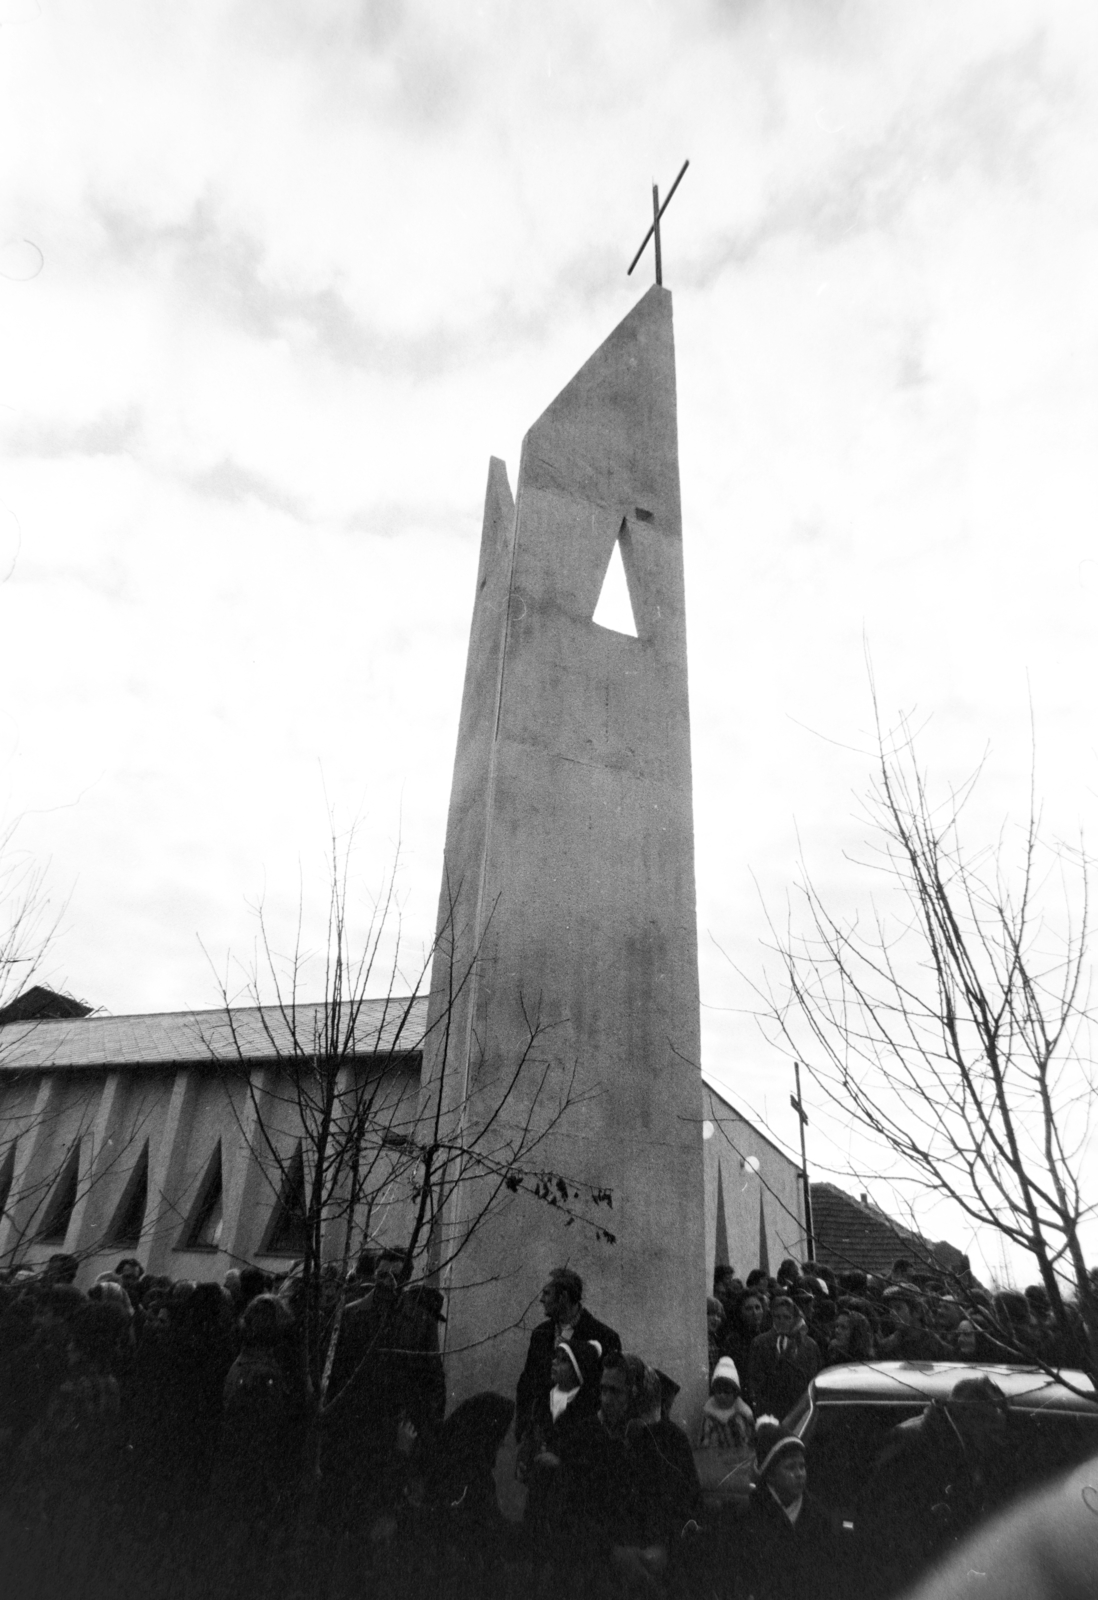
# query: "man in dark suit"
x,y
566,1317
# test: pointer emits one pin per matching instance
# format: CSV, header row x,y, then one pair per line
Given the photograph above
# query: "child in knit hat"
x,y
727,1422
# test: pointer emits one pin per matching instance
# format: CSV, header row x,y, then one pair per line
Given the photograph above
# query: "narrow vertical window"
x,y
62,1201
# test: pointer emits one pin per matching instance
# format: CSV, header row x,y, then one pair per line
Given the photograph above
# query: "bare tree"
x,y
347,1136
951,1020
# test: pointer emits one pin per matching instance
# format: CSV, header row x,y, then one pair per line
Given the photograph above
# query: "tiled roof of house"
x,y
851,1233
247,1033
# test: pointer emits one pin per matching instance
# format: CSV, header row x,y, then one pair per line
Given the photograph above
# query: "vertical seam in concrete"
x,y
466,1043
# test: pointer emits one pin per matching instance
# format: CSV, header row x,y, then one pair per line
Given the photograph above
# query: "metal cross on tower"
x,y
657,213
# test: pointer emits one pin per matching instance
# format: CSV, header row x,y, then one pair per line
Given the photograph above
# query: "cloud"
x,y
232,483
111,434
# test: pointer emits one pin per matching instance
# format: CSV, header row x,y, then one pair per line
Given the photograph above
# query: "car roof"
x,y
898,1382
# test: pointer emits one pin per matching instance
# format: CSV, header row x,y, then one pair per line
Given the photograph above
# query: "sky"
x,y
275,282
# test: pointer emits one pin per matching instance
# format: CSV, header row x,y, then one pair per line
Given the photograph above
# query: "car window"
x,y
843,1441
1047,1443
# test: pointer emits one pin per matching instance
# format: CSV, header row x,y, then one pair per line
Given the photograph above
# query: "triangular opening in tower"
x,y
615,609
62,1201
129,1219
203,1230
287,1231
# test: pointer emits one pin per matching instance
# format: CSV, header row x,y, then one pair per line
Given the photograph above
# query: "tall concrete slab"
x,y
567,948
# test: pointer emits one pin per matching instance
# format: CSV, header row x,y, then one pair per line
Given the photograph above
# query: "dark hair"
x,y
129,1261
568,1280
253,1282
261,1323
756,1276
62,1268
782,1300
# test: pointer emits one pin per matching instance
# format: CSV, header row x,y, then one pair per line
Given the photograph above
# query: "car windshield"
x,y
844,1439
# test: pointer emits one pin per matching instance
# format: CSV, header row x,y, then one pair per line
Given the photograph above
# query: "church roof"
x,y
187,1038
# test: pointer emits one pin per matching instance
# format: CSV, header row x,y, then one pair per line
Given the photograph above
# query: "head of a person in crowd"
x,y
758,1279
231,1284
724,1385
616,1405
392,1264
824,1313
365,1268
562,1296
904,1307
901,1270
752,1312
714,1316
99,1333
783,1315
129,1272
253,1282
264,1322
60,1268
576,1365
57,1303
947,1315
804,1302
203,1312
108,1291
978,1410
965,1339
726,1286
853,1335
779,1461
1039,1302
788,1271
827,1276
1012,1308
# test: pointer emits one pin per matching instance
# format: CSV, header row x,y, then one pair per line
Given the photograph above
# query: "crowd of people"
x,y
910,1315
170,1438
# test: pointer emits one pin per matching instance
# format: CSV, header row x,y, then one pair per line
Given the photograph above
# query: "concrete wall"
x,y
745,1173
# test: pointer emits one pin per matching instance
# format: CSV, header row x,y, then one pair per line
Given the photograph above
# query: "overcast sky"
x,y
278,278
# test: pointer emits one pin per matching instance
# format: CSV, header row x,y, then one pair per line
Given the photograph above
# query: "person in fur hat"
x,y
727,1419
788,1549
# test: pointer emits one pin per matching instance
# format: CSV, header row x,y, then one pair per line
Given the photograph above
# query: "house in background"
x,y
855,1234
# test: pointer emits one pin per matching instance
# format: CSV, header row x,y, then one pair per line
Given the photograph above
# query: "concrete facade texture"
x,y
567,923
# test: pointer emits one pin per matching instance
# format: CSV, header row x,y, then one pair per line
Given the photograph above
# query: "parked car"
x,y
847,1412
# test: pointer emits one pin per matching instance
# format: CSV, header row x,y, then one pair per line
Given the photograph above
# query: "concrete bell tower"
x,y
568,904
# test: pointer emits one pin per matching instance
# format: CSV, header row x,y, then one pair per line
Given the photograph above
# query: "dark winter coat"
x,y
926,1491
782,1560
536,1378
779,1378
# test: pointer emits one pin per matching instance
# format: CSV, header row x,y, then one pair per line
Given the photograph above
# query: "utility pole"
x,y
795,1102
